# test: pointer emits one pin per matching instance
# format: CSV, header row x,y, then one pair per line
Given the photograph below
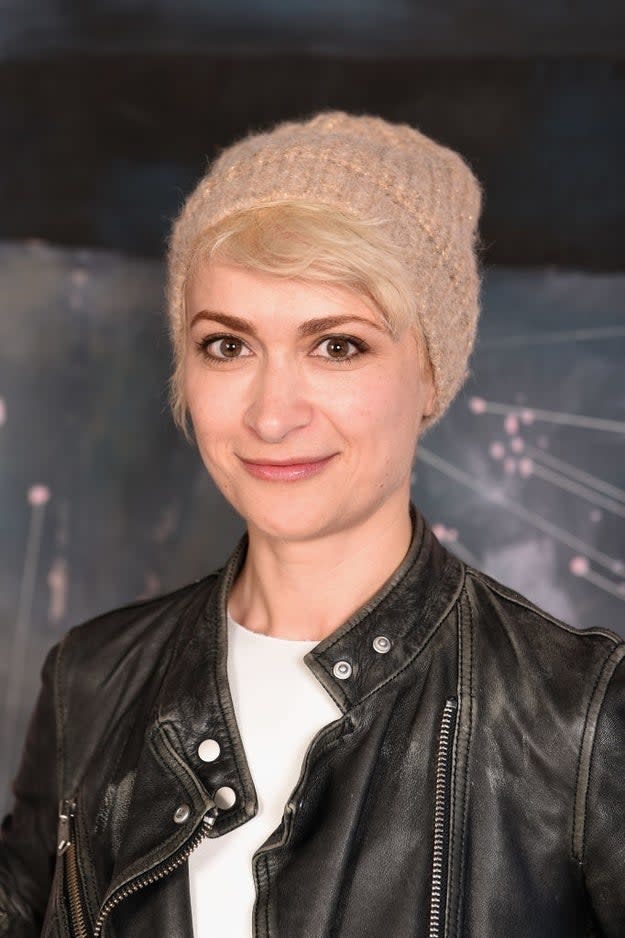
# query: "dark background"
x,y
108,115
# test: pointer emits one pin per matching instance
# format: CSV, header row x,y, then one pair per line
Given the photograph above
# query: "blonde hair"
x,y
311,242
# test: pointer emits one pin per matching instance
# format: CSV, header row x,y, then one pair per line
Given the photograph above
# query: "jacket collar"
x,y
380,638
389,630
361,655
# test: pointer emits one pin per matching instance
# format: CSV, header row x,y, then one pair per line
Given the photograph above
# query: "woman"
x,y
345,730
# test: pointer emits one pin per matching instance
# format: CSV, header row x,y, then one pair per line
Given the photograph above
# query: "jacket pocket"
x,y
442,811
70,900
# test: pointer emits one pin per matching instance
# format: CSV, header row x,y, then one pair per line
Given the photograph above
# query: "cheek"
x,y
380,406
210,422
208,398
385,421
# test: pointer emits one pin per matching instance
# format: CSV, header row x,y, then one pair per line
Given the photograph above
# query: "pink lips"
x,y
286,473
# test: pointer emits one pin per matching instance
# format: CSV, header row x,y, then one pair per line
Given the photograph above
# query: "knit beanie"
x,y
426,193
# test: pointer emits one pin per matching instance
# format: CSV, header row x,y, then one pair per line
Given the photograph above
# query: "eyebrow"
x,y
307,328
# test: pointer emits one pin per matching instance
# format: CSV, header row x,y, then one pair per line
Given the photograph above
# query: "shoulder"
x,y
505,618
132,636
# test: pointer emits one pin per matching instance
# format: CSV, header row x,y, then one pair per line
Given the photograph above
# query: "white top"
x,y
279,706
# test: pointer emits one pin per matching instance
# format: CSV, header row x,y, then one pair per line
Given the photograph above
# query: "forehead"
x,y
261,298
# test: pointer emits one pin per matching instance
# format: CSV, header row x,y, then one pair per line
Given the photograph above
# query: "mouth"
x,y
288,470
297,461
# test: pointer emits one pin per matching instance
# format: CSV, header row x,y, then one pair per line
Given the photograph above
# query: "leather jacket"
x,y
474,785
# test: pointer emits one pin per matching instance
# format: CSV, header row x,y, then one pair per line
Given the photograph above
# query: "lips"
x,y
298,461
287,471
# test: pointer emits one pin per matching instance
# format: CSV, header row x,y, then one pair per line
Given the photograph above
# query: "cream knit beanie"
x,y
426,193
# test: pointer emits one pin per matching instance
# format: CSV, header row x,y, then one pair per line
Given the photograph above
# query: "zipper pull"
x,y
64,830
211,816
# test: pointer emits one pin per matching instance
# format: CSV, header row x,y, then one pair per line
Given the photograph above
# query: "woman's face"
x,y
281,387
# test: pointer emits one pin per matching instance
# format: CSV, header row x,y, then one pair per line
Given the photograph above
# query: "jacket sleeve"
x,y
28,835
604,834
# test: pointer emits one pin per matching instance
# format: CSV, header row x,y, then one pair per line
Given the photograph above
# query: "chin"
x,y
291,518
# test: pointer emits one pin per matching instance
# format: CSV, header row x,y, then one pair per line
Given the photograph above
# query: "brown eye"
x,y
338,347
227,347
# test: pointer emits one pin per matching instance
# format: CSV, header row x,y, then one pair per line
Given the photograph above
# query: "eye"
x,y
229,344
337,342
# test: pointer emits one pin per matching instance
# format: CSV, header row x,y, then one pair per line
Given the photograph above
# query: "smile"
x,y
289,472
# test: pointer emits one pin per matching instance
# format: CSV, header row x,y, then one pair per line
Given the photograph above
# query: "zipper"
x,y
67,846
160,871
441,818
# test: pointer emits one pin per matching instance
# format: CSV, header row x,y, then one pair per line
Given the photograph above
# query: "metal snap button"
x,y
382,644
342,670
225,797
208,750
181,814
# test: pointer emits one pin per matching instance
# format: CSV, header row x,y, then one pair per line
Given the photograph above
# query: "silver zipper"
x,y
64,830
160,871
441,819
66,848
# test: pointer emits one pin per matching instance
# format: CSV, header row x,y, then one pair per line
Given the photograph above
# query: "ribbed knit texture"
x,y
426,192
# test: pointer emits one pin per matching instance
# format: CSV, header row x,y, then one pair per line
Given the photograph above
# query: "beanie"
x,y
426,194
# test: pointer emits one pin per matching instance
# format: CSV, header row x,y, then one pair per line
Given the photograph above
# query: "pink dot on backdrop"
x,y
440,531
596,514
526,467
509,466
517,445
79,277
497,450
527,416
511,424
38,494
579,566
477,405
3,411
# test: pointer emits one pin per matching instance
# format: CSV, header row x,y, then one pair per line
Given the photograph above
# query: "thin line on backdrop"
x,y
617,589
478,405
546,338
567,469
498,497
556,478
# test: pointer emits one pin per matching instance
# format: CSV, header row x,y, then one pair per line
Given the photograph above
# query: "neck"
x,y
307,589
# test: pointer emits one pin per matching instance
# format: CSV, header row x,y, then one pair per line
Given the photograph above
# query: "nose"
x,y
279,401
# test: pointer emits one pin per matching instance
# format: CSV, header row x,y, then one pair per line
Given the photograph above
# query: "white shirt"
x,y
279,706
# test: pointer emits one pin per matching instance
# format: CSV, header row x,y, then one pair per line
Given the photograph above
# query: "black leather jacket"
x,y
474,785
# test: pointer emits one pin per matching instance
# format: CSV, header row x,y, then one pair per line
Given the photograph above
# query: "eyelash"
x,y
202,347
